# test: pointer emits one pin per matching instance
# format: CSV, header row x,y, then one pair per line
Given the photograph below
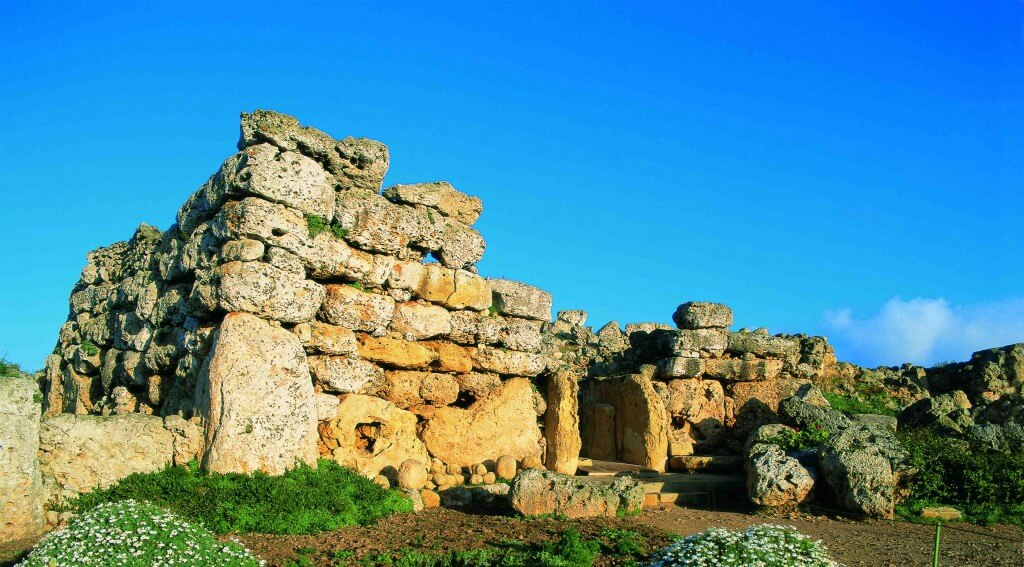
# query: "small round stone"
x,y
412,475
506,467
430,499
382,481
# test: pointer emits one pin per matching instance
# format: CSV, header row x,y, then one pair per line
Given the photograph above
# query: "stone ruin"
x,y
296,311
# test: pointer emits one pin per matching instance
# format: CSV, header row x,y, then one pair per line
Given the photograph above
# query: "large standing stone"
x,y
521,300
535,492
641,434
502,424
79,453
866,467
372,436
702,315
21,491
776,479
562,423
256,397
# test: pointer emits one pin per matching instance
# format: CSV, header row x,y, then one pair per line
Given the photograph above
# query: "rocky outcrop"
x,y
536,492
21,491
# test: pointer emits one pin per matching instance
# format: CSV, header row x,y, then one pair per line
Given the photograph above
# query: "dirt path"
x,y
854,543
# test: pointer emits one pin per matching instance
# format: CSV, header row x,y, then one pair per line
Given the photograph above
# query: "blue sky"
x,y
850,169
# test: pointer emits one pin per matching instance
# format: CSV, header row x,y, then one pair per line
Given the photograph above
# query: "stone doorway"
x,y
624,419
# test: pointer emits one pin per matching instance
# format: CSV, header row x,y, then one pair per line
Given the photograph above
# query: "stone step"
x,y
706,464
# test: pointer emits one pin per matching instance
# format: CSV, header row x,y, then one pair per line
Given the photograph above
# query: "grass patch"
x,y
800,439
89,348
317,224
867,402
986,485
304,500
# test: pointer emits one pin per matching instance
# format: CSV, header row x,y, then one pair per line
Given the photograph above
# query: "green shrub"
x,y
134,534
767,545
867,402
987,485
90,348
8,369
317,224
570,550
304,500
801,438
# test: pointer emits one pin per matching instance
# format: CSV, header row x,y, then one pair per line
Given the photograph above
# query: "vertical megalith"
x,y
562,423
21,494
256,399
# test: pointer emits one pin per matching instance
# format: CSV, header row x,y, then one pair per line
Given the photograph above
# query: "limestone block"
x,y
441,196
698,409
21,490
356,163
562,423
439,389
502,424
79,453
776,479
450,357
465,325
326,406
288,178
256,398
372,436
244,250
743,369
511,332
326,339
375,224
478,385
402,387
268,292
418,321
702,315
395,353
344,375
187,437
681,367
760,343
538,492
520,300
685,342
508,362
461,246
358,310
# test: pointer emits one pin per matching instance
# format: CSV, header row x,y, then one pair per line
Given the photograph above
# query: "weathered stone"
x,y
508,362
752,404
79,453
520,300
377,225
776,479
742,369
343,375
795,411
402,388
537,492
681,367
244,250
641,422
702,315
450,357
288,178
688,342
371,435
501,424
412,475
430,499
865,467
356,163
760,343
256,399
441,196
395,353
461,246
698,409
439,389
268,292
478,385
417,321
326,406
21,491
562,423
326,339
455,289
948,412
511,332
357,310
187,438
505,467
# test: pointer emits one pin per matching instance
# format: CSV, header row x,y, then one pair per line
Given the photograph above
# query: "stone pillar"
x,y
21,492
562,423
602,440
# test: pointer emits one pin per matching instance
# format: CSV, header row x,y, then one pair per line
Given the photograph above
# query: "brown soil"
x,y
853,543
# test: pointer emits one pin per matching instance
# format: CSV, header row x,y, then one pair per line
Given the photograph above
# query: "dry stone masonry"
x,y
296,311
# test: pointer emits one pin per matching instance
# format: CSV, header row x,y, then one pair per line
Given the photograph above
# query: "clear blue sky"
x,y
848,168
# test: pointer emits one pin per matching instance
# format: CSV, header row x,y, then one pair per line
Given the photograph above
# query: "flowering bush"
x,y
764,545
131,533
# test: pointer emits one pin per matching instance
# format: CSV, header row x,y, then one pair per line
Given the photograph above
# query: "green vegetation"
x,y
800,439
358,285
862,402
135,534
8,369
986,485
316,224
764,544
89,348
493,311
304,500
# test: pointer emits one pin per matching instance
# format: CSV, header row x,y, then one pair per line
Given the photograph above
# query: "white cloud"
x,y
924,331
